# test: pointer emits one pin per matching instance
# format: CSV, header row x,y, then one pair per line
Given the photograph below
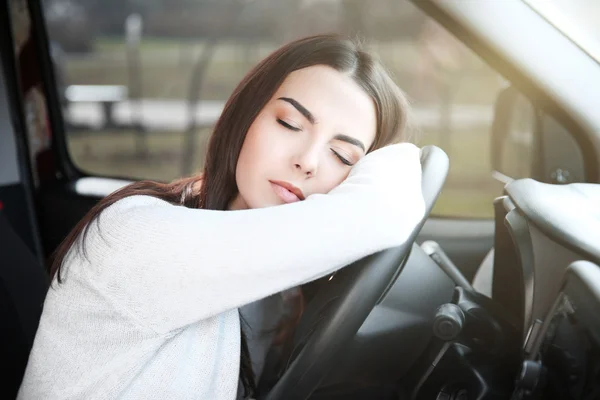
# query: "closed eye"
x,y
342,158
288,126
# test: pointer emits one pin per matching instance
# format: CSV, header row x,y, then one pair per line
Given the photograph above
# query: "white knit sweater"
x,y
150,309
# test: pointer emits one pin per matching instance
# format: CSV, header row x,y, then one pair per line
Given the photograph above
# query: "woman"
x,y
146,290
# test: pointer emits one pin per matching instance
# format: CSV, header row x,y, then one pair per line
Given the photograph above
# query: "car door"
x,y
16,189
539,133
137,98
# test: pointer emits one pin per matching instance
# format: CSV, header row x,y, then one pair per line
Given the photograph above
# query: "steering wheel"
x,y
338,309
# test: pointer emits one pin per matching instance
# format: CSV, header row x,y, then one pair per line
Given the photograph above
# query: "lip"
x,y
291,188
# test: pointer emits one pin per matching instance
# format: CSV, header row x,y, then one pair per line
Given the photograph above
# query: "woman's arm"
x,y
173,265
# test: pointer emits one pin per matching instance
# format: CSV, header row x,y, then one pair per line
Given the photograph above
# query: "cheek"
x,y
248,157
331,178
339,178
256,148
256,156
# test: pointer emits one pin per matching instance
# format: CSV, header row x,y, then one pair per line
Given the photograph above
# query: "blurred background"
x,y
143,81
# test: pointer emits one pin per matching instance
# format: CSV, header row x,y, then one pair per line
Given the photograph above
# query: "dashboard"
x,y
547,274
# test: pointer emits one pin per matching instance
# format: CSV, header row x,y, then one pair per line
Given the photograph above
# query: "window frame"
x,y
550,12
485,35
445,13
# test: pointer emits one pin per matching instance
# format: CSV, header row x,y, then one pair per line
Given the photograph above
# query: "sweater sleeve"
x,y
172,266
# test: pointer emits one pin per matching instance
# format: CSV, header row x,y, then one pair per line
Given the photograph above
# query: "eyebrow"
x,y
349,139
311,118
307,114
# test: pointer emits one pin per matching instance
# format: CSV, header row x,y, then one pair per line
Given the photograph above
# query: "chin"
x,y
258,199
263,204
247,203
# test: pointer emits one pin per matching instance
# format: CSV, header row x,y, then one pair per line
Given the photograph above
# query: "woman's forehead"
x,y
333,98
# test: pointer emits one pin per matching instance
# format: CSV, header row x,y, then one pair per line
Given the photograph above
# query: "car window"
x,y
142,84
529,143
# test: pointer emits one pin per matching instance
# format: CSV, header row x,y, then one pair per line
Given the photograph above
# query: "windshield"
x,y
578,19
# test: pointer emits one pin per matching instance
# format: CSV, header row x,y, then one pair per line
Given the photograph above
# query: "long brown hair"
x,y
218,185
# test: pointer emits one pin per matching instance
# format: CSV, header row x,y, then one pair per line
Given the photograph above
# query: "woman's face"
x,y
305,140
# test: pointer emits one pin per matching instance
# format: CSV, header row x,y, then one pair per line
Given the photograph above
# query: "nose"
x,y
307,161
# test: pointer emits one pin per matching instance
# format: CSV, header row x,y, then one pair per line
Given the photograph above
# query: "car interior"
x,y
520,322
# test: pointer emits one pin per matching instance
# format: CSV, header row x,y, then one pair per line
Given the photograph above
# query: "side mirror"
x,y
515,146
529,143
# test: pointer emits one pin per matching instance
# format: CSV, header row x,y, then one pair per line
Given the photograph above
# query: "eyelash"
x,y
288,126
293,128
342,159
